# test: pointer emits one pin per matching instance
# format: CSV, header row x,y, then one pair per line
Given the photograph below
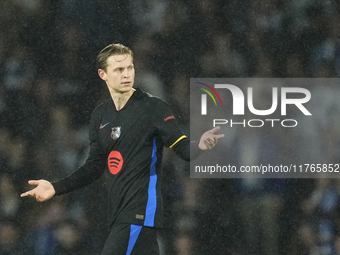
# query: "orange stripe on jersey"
x,y
179,139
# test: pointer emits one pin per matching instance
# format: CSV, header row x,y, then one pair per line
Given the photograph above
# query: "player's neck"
x,y
120,99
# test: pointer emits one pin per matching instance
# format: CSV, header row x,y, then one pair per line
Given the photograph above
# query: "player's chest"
x,y
125,129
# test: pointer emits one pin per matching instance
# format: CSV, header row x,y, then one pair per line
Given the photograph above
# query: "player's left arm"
x,y
175,139
189,150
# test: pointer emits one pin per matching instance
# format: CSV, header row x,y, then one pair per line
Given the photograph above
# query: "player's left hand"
x,y
209,139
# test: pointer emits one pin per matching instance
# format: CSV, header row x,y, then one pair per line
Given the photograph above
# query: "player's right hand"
x,y
44,190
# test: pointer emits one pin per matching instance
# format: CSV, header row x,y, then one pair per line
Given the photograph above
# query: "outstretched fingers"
x,y
209,139
33,182
27,194
31,192
218,137
43,191
214,130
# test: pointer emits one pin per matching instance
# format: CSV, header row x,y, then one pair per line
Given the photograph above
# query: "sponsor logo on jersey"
x,y
115,133
115,162
102,126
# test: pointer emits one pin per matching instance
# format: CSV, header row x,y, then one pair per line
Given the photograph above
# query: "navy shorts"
x,y
130,239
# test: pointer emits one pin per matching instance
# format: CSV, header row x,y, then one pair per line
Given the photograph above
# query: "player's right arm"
x,y
92,170
86,174
94,166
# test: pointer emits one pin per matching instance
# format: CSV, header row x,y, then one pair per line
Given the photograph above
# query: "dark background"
x,y
49,86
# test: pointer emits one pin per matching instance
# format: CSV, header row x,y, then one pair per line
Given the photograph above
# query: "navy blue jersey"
x,y
129,145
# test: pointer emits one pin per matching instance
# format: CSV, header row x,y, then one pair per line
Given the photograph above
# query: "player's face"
x,y
120,73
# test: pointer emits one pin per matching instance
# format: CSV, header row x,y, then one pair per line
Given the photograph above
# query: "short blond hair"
x,y
111,50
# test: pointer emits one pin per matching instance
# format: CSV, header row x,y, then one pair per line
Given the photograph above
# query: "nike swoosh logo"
x,y
102,126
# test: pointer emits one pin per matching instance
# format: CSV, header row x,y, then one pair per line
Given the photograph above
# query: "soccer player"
x,y
127,136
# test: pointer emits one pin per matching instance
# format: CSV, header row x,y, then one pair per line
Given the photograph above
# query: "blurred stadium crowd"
x,y
49,86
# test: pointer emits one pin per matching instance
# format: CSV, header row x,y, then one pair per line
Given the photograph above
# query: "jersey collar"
x,y
137,95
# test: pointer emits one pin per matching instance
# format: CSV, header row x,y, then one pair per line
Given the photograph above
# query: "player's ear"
x,y
102,74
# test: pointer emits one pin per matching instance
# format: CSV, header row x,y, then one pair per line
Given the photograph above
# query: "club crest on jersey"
x,y
115,133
